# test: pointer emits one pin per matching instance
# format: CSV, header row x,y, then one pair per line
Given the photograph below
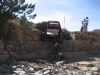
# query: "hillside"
x,y
24,45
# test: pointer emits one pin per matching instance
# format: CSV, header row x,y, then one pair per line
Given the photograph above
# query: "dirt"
x,y
84,65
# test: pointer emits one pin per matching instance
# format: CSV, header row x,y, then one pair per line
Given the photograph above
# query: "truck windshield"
x,y
53,24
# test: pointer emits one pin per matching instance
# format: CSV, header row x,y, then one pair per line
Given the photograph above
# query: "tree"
x,y
10,9
65,30
41,26
66,33
23,19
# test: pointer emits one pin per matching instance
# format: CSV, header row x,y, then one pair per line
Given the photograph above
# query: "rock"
x,y
13,68
90,65
47,72
14,74
67,71
94,68
30,74
95,73
94,62
80,73
20,72
85,63
38,73
60,63
74,73
46,69
88,73
70,67
22,66
50,69
31,69
65,67
84,68
19,69
36,68
56,71
83,35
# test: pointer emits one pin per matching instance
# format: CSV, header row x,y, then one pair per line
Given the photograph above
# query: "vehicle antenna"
x,y
64,21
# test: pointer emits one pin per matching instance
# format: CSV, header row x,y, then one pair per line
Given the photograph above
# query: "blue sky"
x,y
73,10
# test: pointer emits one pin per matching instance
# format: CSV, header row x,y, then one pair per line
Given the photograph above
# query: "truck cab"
x,y
52,29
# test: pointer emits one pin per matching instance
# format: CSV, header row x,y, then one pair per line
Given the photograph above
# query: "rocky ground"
x,y
75,66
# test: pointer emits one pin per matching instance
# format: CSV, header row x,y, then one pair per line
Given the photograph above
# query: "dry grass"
x,y
27,24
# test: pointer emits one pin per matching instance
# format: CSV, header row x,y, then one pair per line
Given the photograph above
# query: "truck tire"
x,y
68,36
43,36
61,38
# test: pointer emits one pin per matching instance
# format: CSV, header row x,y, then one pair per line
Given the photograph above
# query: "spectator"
x,y
87,20
83,28
84,25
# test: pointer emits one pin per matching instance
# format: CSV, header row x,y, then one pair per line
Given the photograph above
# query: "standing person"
x,y
87,21
84,25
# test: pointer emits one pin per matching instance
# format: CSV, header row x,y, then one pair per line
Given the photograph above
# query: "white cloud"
x,y
64,2
52,15
82,9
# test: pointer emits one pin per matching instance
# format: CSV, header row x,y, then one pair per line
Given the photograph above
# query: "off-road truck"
x,y
53,29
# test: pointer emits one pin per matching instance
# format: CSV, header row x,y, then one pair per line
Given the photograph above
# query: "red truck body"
x,y
53,28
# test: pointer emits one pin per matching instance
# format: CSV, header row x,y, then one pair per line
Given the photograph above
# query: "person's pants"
x,y
86,26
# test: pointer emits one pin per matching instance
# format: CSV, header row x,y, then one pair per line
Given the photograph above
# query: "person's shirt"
x,y
87,20
84,22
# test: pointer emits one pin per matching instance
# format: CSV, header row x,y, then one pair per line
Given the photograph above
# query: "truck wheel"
x,y
68,36
61,38
43,36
